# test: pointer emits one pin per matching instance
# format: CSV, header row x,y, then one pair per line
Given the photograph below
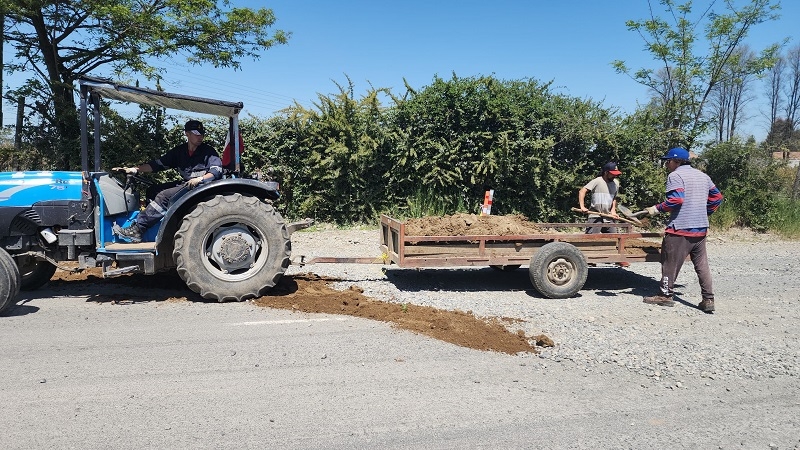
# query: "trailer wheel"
x,y
558,270
9,281
232,248
34,272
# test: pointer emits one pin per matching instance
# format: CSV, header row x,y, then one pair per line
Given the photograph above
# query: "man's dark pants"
x,y
674,250
164,194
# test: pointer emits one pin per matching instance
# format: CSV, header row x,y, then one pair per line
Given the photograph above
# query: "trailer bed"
x,y
625,246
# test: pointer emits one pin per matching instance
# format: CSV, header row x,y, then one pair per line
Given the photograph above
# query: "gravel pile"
x,y
753,334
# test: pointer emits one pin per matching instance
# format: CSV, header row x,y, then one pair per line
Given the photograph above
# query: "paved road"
x,y
82,373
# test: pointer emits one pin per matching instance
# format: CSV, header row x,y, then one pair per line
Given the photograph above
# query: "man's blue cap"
x,y
677,153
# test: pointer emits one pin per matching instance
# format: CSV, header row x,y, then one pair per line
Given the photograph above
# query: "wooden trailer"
x,y
558,258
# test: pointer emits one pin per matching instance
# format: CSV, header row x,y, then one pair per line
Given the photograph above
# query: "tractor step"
x,y
122,271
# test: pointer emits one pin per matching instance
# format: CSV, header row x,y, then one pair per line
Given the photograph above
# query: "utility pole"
x,y
18,132
2,40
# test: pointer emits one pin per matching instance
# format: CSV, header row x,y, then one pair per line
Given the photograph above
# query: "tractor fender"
x,y
227,186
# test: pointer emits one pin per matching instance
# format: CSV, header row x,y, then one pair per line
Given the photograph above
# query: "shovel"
x,y
609,216
629,214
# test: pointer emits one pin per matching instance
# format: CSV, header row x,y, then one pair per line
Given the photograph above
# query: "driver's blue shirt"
x,y
204,160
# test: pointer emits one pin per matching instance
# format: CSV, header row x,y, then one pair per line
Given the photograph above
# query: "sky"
x,y
374,43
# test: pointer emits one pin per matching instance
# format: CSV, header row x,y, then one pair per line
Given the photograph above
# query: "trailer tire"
x,y
232,248
9,281
558,270
34,272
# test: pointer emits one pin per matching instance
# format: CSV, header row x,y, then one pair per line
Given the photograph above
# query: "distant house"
x,y
791,158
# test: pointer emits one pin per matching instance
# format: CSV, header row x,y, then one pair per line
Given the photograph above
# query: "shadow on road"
x,y
603,280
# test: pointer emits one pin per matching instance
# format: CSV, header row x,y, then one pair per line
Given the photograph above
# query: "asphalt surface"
x,y
80,371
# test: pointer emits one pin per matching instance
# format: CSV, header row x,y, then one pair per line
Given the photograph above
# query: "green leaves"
x,y
686,76
55,42
438,149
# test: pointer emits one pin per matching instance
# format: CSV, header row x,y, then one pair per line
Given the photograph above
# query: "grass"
x,y
424,204
784,219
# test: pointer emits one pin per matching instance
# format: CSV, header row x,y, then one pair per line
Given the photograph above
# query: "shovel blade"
x,y
629,214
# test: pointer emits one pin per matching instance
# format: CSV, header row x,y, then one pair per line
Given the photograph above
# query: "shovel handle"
x,y
609,216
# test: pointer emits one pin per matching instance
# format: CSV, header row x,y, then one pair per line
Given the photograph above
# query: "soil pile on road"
x,y
313,294
471,225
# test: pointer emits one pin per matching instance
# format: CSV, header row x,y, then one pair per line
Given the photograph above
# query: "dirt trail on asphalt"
x,y
312,294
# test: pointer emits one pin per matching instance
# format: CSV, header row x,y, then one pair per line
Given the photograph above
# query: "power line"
x,y
183,79
186,79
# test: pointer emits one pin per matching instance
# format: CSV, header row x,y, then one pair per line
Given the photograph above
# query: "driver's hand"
x,y
193,182
127,170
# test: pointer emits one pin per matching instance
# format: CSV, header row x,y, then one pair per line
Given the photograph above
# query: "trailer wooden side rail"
x,y
558,258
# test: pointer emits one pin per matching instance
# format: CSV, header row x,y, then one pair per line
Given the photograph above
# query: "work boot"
x,y
129,234
660,300
707,305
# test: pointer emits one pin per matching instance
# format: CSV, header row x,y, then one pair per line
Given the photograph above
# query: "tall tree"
x,y
793,86
774,89
689,75
732,94
57,41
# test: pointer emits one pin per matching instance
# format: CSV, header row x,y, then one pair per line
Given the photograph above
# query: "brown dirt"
x,y
471,225
313,294
475,225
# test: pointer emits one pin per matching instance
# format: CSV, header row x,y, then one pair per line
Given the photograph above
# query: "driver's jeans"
x,y
158,206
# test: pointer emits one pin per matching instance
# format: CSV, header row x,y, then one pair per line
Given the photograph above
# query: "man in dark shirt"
x,y
197,163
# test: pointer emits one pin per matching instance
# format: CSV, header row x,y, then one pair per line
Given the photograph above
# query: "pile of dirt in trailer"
x,y
312,294
510,225
471,225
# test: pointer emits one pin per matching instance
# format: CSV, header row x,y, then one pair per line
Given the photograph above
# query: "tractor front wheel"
x,y
34,272
9,281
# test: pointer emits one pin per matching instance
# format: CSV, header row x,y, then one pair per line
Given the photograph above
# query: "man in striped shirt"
x,y
691,198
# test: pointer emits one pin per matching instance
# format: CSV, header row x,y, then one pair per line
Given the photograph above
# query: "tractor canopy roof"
x,y
108,89
93,88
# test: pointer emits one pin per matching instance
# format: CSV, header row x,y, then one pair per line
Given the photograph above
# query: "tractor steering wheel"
x,y
131,181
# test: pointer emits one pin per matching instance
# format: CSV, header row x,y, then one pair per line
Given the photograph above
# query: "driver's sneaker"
x,y
129,234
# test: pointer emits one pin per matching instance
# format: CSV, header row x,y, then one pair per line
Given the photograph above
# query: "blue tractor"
x,y
225,238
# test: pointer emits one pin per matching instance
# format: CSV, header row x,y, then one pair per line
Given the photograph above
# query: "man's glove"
x,y
651,211
194,182
127,170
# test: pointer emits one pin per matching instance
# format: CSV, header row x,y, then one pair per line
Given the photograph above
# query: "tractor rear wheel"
x,y
232,248
9,281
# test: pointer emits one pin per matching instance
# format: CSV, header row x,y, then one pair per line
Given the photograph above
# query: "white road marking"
x,y
290,321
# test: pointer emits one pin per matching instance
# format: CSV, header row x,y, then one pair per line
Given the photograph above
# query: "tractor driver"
x,y
197,163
